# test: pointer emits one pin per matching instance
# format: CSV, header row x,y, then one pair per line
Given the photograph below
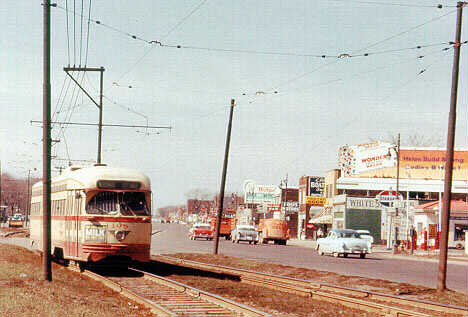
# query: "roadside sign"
x,y
388,197
315,200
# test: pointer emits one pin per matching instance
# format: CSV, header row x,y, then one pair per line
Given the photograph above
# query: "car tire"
x,y
320,252
362,255
459,246
336,254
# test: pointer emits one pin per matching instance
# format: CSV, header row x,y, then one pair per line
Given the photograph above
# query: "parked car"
x,y
17,220
245,233
365,234
343,241
201,230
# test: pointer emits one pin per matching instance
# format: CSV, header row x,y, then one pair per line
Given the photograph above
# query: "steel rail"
x,y
350,297
168,298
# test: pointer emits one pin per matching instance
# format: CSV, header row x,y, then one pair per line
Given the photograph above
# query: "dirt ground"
x,y
376,285
24,292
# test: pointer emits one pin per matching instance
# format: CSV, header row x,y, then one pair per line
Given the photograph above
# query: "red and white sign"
x,y
273,207
387,197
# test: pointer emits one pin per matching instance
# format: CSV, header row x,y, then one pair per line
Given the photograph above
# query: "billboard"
x,y
261,194
357,159
377,159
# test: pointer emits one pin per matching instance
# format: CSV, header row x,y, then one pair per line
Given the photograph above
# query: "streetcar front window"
x,y
133,204
103,203
111,203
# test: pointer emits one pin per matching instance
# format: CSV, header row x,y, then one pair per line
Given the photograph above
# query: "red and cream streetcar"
x,y
97,212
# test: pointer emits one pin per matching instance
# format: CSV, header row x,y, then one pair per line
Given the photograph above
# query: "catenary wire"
x,y
406,31
438,6
184,18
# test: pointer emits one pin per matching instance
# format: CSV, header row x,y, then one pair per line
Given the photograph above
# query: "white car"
x,y
365,234
343,241
245,233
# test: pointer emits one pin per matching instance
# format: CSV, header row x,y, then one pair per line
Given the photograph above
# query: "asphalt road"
x,y
173,238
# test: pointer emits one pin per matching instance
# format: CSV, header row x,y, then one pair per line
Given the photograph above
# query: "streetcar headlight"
x,y
121,235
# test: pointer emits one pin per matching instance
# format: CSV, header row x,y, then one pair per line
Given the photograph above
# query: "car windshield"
x,y
112,203
349,235
246,229
202,227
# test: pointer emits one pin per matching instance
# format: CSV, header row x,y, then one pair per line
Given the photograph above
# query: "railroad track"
x,y
169,298
379,303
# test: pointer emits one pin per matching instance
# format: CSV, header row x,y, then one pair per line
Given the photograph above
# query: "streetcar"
x,y
97,213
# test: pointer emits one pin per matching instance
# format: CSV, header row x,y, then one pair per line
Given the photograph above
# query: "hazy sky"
x,y
239,49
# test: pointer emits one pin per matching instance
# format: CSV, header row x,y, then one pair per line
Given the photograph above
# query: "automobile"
x,y
343,241
16,220
201,230
245,233
365,234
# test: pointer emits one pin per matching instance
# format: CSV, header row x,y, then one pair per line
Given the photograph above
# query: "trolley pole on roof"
x,y
442,273
223,180
46,149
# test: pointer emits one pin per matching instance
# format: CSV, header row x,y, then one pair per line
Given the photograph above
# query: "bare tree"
x,y
414,139
199,193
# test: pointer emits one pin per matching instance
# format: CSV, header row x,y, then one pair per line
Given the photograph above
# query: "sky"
x,y
294,108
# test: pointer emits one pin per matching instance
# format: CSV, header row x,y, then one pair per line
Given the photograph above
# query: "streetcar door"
x,y
69,245
75,222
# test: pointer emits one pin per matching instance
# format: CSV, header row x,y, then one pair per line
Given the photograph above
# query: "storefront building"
x,y
366,170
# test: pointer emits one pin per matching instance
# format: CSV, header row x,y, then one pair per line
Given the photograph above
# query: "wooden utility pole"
x,y
46,149
223,180
442,273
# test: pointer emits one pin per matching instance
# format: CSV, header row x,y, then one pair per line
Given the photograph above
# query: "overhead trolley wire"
x,y
158,43
406,31
184,18
438,6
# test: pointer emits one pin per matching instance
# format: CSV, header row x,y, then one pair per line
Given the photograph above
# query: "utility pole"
x,y
46,149
28,207
447,197
99,105
1,190
223,180
395,245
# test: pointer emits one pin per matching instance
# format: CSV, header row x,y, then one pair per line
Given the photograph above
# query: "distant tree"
x,y
415,139
199,193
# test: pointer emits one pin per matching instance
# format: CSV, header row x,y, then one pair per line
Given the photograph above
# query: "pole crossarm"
x,y
83,69
67,69
67,160
107,125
